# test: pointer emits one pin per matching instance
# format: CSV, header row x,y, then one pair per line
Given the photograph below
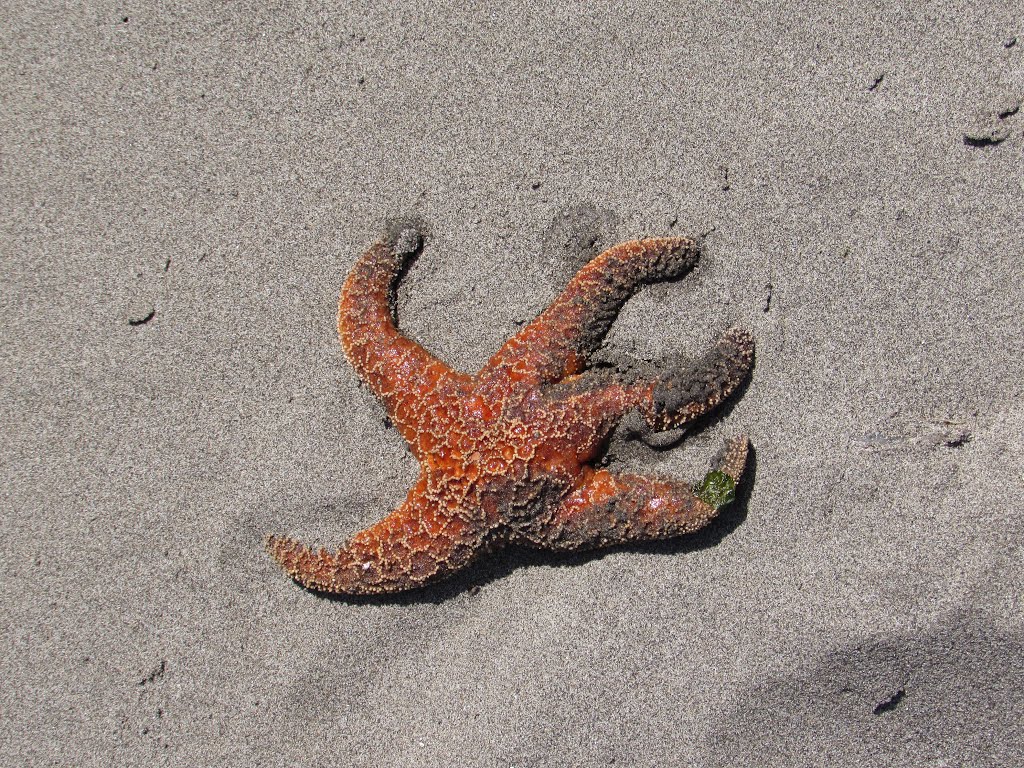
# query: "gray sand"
x,y
217,171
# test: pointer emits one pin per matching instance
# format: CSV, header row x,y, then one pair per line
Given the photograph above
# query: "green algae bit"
x,y
716,489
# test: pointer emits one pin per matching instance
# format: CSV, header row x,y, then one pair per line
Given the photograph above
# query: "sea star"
x,y
505,455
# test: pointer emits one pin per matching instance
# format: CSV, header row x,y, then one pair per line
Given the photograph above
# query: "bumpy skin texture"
x,y
505,454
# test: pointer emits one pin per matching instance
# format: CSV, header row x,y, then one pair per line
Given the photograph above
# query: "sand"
x,y
183,192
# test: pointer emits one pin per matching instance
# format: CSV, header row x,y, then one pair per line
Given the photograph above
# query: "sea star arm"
x,y
559,341
410,547
670,398
679,397
607,508
409,381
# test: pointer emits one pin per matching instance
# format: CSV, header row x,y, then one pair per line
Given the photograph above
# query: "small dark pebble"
x,y
987,135
135,321
890,704
959,440
1007,107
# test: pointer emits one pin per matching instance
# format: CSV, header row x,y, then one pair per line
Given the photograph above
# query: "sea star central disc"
x,y
506,454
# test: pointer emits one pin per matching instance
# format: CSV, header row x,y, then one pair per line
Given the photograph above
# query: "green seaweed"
x,y
716,489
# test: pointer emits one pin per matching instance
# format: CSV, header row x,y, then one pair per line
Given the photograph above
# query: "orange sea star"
x,y
505,454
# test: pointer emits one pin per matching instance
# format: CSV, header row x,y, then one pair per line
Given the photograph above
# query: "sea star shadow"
x,y
506,455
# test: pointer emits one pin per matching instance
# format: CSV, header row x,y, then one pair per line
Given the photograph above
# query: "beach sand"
x,y
183,193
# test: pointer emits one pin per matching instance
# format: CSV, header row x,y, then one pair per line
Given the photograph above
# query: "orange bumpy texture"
x,y
506,454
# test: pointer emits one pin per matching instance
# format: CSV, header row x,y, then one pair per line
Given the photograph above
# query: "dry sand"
x,y
214,172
